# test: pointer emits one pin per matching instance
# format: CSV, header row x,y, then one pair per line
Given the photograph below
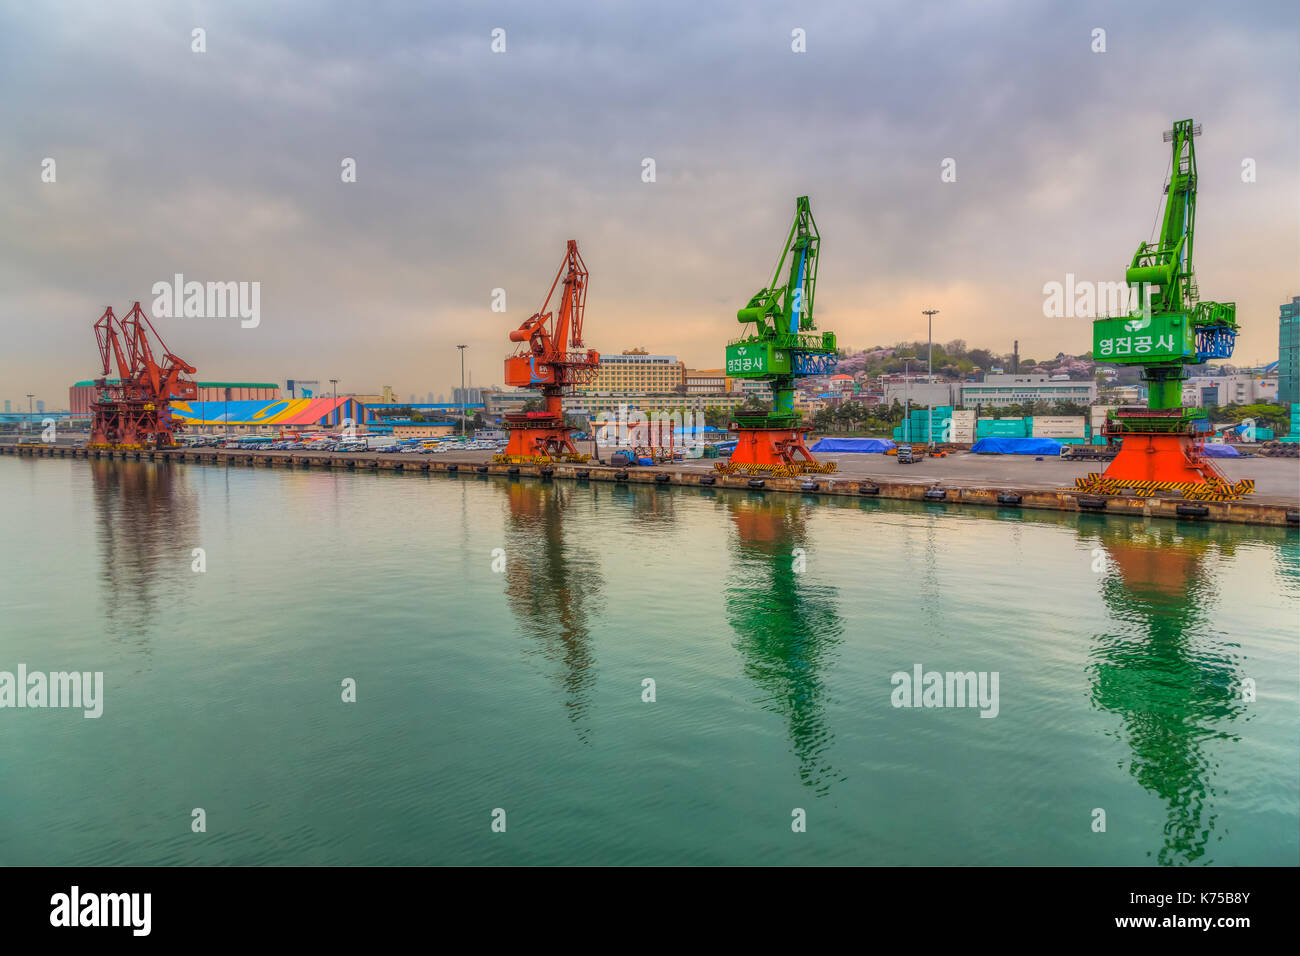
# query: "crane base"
x,y
773,451
1153,462
538,443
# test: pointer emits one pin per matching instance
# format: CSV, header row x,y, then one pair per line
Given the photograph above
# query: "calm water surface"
x,y
771,626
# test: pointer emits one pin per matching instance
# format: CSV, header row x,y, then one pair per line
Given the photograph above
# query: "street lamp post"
x,y
907,401
29,411
463,396
929,375
334,390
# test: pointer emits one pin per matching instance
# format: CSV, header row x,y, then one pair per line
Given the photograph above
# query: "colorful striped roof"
x,y
284,411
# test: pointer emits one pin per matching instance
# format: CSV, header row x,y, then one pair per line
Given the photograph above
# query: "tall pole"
x,y
929,375
334,390
907,402
29,411
463,396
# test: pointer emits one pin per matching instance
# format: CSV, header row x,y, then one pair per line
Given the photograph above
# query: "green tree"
x,y
717,417
851,414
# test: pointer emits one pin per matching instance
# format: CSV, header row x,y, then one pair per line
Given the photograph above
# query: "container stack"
x,y
919,421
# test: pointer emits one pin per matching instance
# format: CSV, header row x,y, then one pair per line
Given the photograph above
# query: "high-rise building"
x,y
40,406
7,407
1288,352
637,371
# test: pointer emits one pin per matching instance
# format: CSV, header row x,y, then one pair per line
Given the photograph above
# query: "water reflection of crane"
x,y
145,537
1164,672
786,626
553,587
653,508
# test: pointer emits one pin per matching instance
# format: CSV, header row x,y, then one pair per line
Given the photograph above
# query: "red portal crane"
x,y
551,358
134,410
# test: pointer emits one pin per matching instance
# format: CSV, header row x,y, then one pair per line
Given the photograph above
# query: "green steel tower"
x,y
781,344
1169,329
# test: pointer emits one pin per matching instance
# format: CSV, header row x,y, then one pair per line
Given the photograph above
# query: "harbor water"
x,y
555,672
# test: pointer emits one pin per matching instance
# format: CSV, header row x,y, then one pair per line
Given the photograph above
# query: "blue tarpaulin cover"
x,y
866,446
1016,446
1220,451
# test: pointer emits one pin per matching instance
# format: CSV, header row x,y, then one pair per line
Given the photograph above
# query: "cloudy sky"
x,y
474,167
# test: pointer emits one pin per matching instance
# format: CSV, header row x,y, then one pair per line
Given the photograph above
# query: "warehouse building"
x,y
998,390
707,381
268,418
82,394
592,404
423,430
1211,391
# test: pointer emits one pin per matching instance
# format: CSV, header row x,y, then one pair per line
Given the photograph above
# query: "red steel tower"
x,y
134,410
551,358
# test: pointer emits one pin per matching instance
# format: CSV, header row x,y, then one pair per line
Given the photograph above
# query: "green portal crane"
x,y
783,344
1170,327
1167,328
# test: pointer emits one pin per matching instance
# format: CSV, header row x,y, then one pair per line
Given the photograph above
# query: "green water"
x,y
771,627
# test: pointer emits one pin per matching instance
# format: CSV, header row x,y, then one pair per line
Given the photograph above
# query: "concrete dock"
x,y
959,479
